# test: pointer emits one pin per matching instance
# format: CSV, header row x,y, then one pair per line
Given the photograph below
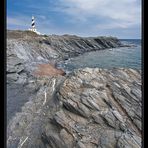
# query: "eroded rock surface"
x,y
91,108
26,50
32,47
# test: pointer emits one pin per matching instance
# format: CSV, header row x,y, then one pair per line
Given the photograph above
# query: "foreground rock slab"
x,y
102,108
90,108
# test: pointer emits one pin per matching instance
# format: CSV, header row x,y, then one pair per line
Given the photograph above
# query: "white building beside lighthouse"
x,y
33,26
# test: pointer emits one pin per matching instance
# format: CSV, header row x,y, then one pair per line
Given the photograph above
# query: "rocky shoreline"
x,y
26,50
88,108
32,47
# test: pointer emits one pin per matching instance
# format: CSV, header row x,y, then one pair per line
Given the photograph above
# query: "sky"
x,y
119,18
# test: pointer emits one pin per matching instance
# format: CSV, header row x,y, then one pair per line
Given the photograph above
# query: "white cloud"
x,y
125,13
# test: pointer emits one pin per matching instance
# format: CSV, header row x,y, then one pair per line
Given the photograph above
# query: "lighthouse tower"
x,y
33,26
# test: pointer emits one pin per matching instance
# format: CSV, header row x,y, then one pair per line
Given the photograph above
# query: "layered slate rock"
x,y
26,50
26,128
90,108
32,47
100,108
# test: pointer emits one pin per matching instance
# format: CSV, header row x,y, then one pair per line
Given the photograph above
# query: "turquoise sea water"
x,y
116,57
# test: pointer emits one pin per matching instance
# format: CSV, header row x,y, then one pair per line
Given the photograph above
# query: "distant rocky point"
x,y
31,46
26,50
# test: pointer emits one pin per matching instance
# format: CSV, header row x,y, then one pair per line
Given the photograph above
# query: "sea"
x,y
123,57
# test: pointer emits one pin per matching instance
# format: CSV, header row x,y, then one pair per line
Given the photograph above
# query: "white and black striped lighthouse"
x,y
33,26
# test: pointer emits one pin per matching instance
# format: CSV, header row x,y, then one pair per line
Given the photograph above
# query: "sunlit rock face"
x,y
90,108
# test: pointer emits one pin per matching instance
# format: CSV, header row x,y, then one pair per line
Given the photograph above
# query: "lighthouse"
x,y
33,26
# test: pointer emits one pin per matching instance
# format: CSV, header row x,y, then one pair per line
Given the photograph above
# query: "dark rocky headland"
x,y
88,108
